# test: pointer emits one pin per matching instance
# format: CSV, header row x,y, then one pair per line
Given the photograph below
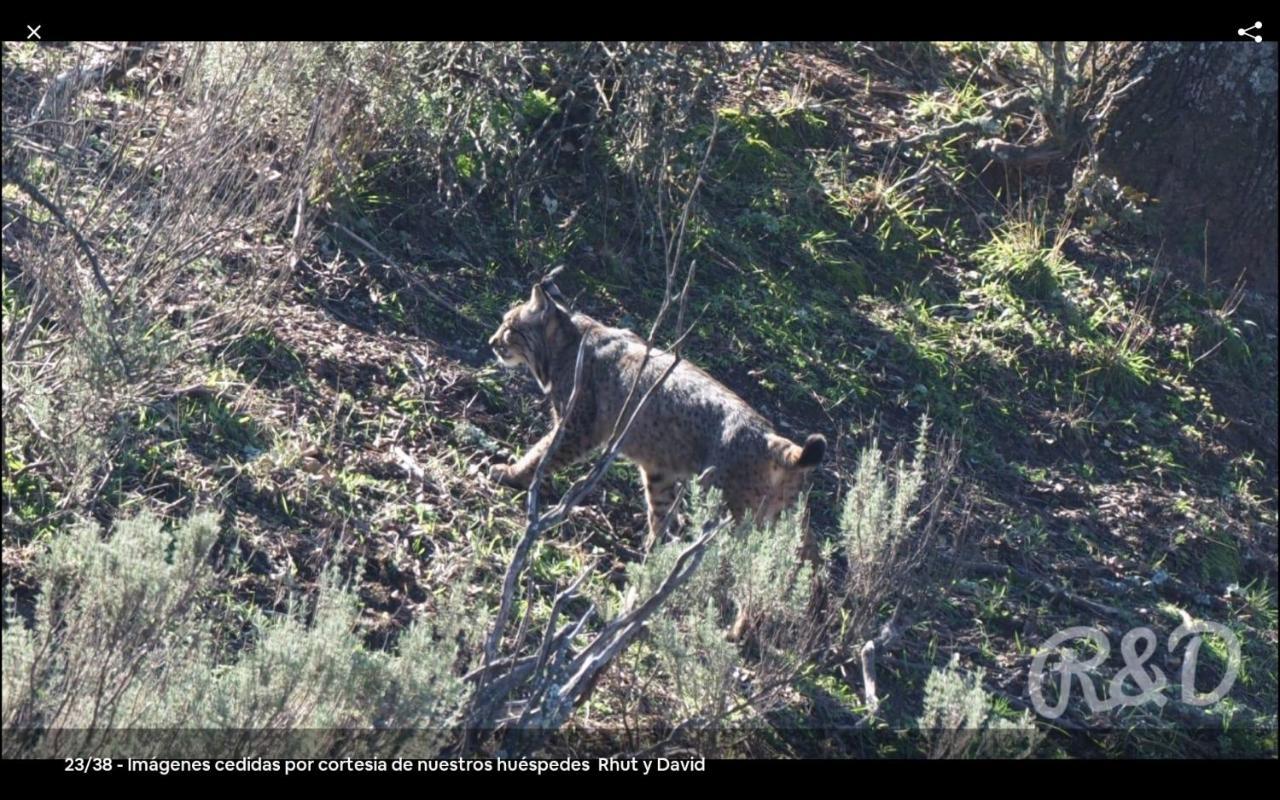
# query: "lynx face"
x,y
528,335
516,339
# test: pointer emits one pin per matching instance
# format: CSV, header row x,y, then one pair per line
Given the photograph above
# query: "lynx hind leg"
x,y
660,494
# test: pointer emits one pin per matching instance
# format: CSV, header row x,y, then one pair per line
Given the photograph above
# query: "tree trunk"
x,y
1198,134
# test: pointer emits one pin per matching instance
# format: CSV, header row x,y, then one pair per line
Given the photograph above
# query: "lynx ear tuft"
x,y
548,280
548,284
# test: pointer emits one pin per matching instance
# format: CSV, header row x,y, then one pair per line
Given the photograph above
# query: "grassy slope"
x,y
1119,433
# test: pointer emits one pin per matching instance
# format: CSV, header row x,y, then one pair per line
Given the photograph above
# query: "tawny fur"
x,y
692,425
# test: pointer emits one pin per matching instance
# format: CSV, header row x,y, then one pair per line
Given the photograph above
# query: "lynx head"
x,y
532,332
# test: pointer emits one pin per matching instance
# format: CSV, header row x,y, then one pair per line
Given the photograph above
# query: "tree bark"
x,y
1198,134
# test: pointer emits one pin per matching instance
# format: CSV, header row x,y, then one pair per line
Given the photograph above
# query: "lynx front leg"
x,y
574,446
660,494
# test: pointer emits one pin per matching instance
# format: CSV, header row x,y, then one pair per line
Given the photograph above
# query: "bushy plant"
x,y
129,652
959,720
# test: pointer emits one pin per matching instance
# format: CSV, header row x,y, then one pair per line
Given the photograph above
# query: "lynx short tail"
x,y
815,447
794,456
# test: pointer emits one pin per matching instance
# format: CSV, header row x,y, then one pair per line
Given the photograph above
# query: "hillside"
x,y
258,281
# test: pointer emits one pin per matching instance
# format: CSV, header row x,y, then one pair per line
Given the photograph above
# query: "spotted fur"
x,y
692,426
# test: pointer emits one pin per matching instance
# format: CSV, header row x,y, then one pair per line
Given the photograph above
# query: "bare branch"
x,y
536,524
58,214
547,709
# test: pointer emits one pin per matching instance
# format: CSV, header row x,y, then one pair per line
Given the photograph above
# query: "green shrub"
x,y
129,635
959,720
889,528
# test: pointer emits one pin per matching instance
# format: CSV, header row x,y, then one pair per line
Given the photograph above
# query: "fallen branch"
x,y
988,123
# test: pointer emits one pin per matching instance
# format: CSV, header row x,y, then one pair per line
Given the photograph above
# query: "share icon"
x,y
1245,32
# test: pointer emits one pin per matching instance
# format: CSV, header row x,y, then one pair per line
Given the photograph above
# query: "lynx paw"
x,y
498,473
502,474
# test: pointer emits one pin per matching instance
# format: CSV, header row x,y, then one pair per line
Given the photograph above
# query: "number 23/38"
x,y
88,764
